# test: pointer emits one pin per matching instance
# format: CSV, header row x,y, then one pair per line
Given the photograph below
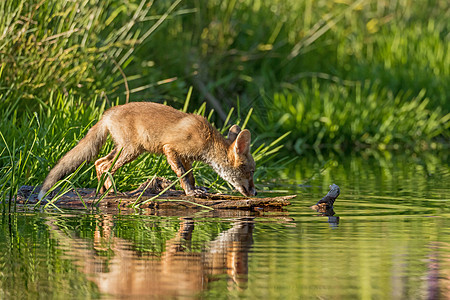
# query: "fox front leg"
x,y
187,164
199,190
187,182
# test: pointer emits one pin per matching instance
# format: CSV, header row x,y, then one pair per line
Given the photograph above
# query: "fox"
x,y
139,127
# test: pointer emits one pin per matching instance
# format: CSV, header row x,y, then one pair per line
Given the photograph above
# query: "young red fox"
x,y
144,126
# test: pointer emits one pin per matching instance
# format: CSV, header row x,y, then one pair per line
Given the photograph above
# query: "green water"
x,y
389,239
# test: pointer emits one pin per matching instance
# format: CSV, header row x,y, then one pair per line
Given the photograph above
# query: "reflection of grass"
x,y
373,172
45,265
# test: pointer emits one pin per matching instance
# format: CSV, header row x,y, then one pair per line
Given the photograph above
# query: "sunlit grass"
x,y
74,47
246,50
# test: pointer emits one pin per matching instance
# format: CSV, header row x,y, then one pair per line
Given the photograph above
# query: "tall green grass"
x,y
74,47
239,47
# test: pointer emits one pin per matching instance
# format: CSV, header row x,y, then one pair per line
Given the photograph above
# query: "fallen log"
x,y
170,199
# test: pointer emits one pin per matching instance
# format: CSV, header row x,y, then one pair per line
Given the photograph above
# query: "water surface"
x,y
389,238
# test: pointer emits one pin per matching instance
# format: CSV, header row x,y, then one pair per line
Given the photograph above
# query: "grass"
x,y
228,50
75,47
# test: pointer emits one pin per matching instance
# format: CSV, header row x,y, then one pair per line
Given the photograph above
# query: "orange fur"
x,y
150,127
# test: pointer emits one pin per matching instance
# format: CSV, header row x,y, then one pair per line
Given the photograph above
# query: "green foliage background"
x,y
388,60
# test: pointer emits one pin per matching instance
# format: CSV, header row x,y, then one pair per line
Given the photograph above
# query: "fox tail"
x,y
87,149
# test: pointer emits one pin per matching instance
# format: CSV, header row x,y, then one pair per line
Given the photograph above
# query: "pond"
x,y
389,238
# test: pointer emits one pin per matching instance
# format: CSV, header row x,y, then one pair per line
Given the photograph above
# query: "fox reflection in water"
x,y
175,272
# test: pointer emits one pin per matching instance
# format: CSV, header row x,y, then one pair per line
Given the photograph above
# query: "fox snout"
x,y
246,188
249,191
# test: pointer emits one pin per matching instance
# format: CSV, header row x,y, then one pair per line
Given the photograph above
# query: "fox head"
x,y
240,167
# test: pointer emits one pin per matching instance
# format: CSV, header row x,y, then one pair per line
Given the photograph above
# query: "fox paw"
x,y
198,192
202,188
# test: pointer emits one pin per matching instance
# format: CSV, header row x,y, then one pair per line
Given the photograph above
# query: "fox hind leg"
x,y
104,164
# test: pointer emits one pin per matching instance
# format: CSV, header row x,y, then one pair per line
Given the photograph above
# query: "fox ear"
x,y
242,143
233,132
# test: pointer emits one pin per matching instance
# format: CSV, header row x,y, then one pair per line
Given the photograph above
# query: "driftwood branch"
x,y
326,203
171,199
